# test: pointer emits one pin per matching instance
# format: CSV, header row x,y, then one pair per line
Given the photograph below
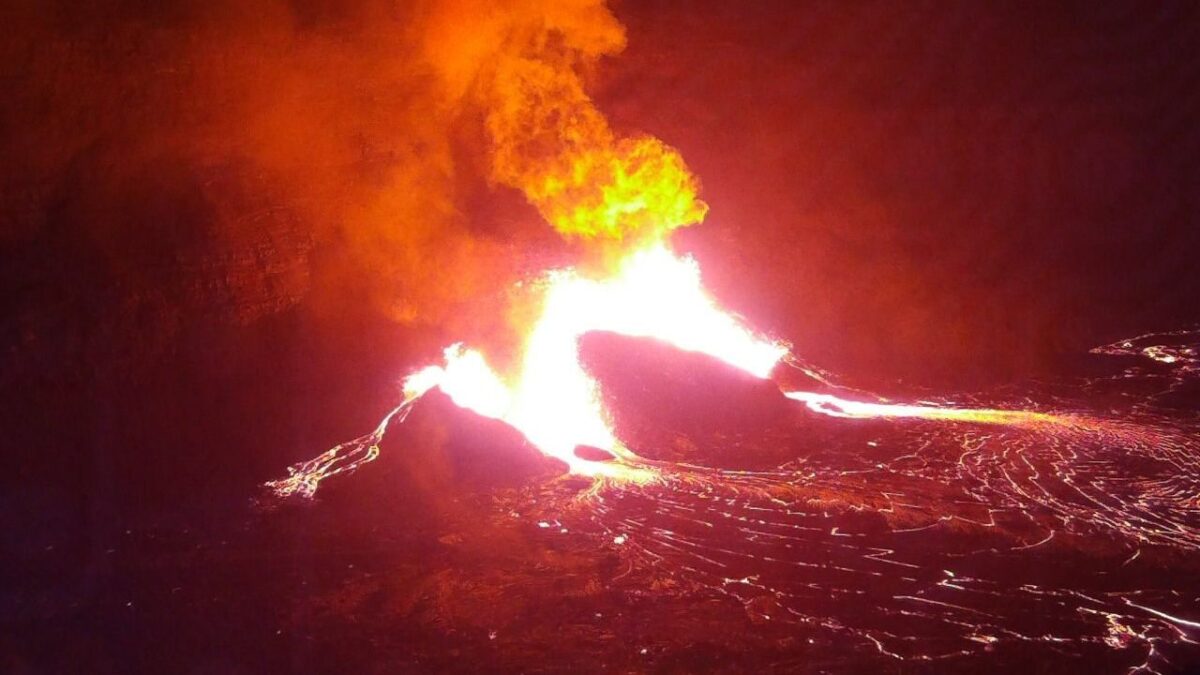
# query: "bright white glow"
x,y
553,401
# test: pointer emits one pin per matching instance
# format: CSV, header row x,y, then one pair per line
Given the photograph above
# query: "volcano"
x,y
533,337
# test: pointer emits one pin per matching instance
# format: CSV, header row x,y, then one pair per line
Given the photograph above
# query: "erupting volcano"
x,y
555,403
619,199
890,426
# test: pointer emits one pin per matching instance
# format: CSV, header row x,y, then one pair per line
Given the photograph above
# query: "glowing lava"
x,y
827,404
618,196
553,401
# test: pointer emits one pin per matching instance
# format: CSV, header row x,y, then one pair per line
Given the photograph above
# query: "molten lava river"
x,y
918,531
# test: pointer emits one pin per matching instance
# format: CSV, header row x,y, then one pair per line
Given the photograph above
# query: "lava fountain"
x,y
555,403
552,400
619,197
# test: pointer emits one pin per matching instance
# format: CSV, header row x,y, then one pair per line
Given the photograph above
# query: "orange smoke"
x,y
329,144
553,145
523,62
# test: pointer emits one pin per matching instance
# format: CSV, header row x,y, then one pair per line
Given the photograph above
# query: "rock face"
x,y
133,266
647,379
130,283
468,451
676,405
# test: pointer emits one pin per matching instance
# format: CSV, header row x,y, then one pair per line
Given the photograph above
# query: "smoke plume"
x,y
324,151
